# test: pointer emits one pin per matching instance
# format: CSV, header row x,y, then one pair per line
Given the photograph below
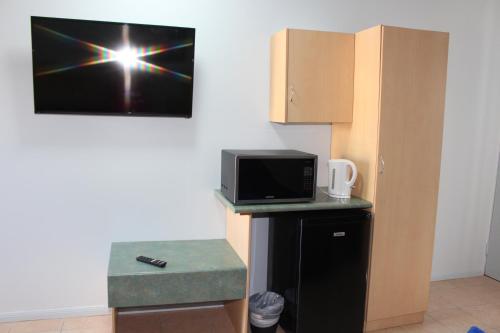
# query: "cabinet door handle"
x,y
381,165
291,95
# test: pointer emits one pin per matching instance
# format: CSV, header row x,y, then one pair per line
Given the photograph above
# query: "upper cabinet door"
x,y
412,96
312,76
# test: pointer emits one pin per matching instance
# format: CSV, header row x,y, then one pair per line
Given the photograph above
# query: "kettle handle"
x,y
350,183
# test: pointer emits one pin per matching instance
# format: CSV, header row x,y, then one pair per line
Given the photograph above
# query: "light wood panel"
x,y
239,235
412,318
278,70
358,141
320,76
412,98
311,76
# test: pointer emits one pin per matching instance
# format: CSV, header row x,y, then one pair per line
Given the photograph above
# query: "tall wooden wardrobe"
x,y
395,140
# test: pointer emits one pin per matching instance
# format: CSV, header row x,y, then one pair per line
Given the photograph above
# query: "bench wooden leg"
x,y
239,235
114,314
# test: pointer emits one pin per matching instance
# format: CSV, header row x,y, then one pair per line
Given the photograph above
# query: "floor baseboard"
x,y
104,310
440,277
55,313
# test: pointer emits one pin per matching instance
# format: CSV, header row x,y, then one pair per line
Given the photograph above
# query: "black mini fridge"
x,y
318,261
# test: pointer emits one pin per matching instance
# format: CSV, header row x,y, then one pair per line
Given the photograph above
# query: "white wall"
x,y
490,144
70,185
471,143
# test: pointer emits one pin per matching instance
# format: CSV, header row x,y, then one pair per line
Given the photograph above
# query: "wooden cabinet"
x,y
395,140
384,91
311,77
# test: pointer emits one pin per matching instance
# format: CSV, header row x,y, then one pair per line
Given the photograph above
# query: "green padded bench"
x,y
197,272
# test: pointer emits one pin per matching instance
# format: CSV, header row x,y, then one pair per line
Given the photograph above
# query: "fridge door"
x,y
333,264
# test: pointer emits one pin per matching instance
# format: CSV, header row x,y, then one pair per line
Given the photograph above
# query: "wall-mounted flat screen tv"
x,y
106,68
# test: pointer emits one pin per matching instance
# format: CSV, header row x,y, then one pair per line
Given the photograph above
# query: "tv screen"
x,y
105,68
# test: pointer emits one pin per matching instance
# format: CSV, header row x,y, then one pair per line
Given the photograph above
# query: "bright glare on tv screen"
x,y
89,67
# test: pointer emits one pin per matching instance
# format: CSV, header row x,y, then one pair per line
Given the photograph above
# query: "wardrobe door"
x,y
413,77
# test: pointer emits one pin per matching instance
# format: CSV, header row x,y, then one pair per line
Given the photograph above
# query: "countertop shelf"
x,y
197,271
322,202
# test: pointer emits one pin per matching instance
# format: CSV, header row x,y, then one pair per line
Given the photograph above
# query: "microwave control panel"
x,y
308,178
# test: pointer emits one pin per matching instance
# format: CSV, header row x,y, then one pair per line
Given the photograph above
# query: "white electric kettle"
x,y
338,184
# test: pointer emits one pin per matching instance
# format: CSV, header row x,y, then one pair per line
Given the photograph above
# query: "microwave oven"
x,y
268,176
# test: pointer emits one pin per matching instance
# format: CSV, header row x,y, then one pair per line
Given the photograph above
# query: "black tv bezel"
x,y
129,114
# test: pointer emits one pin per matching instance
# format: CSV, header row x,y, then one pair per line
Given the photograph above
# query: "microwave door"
x,y
283,179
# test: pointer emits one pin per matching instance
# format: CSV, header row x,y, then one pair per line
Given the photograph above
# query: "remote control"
x,y
154,262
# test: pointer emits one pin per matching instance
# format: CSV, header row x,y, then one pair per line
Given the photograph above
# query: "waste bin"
x,y
265,309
